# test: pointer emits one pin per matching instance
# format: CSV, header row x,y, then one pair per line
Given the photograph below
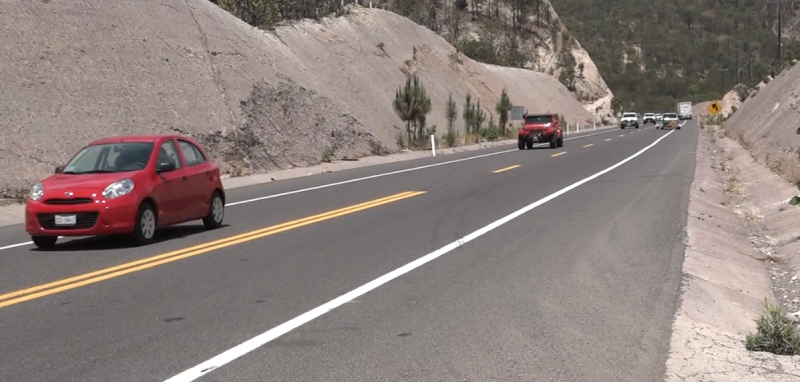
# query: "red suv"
x,y
127,185
540,128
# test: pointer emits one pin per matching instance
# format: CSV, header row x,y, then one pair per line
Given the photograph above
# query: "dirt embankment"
x,y
766,124
73,72
742,249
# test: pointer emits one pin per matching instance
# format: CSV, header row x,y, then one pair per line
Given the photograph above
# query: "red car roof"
x,y
138,138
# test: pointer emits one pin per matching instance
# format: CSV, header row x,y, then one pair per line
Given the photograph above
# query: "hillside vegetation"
x,y
653,54
260,100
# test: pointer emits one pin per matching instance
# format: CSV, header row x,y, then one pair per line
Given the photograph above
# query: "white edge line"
x,y
393,173
359,179
270,335
16,245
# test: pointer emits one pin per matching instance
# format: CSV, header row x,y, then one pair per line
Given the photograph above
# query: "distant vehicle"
x,y
684,110
629,119
540,128
670,120
127,185
659,117
649,118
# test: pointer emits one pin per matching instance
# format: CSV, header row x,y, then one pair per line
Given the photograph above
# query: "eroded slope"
x,y
766,124
73,72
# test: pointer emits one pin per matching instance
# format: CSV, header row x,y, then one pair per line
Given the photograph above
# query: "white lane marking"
x,y
270,335
394,172
16,245
361,179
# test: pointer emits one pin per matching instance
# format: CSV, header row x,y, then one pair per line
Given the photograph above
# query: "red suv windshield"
x,y
538,119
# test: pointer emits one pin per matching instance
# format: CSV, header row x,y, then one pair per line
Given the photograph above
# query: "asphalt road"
x,y
581,288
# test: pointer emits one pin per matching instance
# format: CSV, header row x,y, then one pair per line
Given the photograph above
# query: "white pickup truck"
x,y
628,120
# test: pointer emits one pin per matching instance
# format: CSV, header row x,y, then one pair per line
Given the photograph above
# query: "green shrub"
x,y
774,334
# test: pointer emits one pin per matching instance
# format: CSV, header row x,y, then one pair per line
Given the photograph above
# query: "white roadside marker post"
x,y
433,144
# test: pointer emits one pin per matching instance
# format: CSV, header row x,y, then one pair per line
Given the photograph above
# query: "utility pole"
x,y
722,68
779,3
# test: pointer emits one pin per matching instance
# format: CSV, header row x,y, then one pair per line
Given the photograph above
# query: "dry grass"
x,y
733,183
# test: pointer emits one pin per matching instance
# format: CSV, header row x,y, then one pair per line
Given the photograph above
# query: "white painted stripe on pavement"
x,y
397,172
262,339
16,245
360,179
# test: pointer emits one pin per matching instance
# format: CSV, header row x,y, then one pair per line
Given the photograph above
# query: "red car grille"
x,y
84,220
68,201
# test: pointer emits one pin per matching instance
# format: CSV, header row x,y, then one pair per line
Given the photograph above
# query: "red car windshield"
x,y
110,158
538,119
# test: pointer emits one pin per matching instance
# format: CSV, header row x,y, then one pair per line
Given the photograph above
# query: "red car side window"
x,y
169,153
191,153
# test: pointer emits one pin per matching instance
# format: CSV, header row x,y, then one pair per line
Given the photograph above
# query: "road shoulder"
x,y
731,266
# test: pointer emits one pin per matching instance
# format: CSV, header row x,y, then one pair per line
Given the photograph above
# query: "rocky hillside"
x,y
513,33
656,53
767,125
261,100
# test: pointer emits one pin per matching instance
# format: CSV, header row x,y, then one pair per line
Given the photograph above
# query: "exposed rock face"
x,y
74,72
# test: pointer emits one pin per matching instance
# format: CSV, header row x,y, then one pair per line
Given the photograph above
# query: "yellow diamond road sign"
x,y
714,108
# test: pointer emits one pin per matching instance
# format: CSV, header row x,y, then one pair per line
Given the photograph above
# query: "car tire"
x,y
561,141
521,144
144,229
553,142
529,145
44,242
636,126
216,212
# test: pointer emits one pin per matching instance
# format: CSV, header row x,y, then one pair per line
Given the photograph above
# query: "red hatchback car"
x,y
127,185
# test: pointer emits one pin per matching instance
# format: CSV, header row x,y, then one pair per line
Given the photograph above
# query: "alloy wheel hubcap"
x,y
148,224
217,209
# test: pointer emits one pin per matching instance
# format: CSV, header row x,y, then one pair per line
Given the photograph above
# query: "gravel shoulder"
x,y
741,250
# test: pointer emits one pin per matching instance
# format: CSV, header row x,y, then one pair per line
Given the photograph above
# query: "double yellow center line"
x,y
150,262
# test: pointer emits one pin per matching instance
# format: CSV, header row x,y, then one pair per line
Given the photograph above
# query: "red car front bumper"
x,y
535,135
91,219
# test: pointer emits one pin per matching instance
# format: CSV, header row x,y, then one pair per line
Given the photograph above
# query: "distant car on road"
x,y
670,120
629,119
127,185
659,118
540,128
649,118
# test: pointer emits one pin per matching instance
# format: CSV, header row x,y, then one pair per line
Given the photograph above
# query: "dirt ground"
x,y
742,249
767,124
262,101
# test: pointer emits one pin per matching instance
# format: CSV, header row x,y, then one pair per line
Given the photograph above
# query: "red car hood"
x,y
82,182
